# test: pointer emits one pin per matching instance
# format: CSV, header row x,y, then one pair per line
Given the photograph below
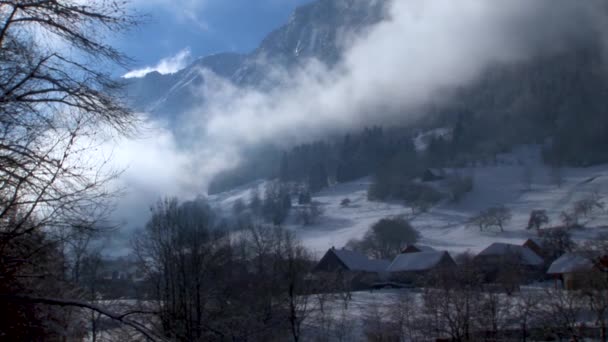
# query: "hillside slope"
x,y
444,226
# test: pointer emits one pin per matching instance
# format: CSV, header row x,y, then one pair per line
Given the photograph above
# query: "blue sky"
x,y
202,27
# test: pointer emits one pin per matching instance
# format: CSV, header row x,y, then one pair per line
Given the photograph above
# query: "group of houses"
x,y
529,260
413,262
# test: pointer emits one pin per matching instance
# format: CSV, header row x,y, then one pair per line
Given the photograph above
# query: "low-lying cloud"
x,y
406,61
169,65
424,47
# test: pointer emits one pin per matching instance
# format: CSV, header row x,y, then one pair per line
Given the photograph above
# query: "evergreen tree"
x,y
284,168
317,179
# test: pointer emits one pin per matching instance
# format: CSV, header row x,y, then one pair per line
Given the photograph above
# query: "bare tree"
x,y
587,206
58,102
561,311
452,302
556,242
53,106
408,320
569,219
526,308
595,296
595,290
185,256
211,285
491,217
538,218
309,213
494,313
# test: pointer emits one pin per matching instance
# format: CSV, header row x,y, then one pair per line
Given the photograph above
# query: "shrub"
x,y
458,186
386,238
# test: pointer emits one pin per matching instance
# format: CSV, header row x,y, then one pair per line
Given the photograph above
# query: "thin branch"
x,y
74,303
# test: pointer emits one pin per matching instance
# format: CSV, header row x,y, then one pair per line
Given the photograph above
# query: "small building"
x,y
503,257
499,252
347,260
570,269
417,249
361,270
411,266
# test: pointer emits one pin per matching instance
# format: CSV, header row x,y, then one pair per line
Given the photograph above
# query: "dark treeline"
x,y
345,159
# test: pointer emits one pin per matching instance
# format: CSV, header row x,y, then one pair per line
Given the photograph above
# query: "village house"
x,y
570,270
409,267
501,257
361,271
574,271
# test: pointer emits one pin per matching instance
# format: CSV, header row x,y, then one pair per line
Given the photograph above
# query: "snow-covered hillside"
x,y
519,182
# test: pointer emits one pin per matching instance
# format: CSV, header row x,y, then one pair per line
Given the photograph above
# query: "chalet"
x,y
417,249
354,269
495,257
499,252
410,266
571,270
346,260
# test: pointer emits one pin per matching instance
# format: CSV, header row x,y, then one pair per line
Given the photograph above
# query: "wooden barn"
x,y
498,257
362,271
571,271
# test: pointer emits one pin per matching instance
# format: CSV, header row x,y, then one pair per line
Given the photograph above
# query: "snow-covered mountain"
x,y
315,30
171,94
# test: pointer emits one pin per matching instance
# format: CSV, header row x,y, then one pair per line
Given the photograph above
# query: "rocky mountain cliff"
x,y
316,30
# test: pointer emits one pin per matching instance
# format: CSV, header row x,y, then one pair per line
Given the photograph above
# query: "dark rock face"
x,y
316,30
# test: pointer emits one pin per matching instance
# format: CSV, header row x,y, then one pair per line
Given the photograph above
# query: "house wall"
x,y
493,265
579,280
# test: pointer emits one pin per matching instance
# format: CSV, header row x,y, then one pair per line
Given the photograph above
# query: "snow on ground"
x,y
444,226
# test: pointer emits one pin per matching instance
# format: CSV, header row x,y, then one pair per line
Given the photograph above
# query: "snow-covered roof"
x,y
356,261
411,262
570,263
528,257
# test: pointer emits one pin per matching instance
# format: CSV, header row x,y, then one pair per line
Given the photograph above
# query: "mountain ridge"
x,y
314,30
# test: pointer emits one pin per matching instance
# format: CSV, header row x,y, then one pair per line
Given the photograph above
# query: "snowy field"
x,y
518,181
